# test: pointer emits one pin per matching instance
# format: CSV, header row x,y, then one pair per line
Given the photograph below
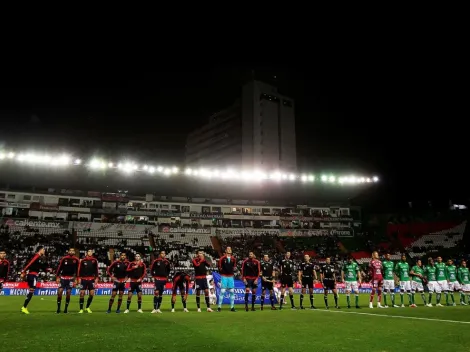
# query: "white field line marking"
x,y
398,316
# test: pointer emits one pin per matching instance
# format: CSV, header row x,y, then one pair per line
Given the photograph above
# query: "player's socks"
x,y
246,299
198,301
357,300
88,302
291,297
221,297
29,296
82,300
392,296
172,305
159,302
348,300
430,298
372,294
155,302
462,297
438,298
139,303
311,300
336,300
379,295
253,300
59,303
183,301
401,298
208,303
301,300
271,298
410,300
119,303
423,297
128,304
262,301
232,299
281,302
325,298
385,298
67,302
111,302
447,298
452,297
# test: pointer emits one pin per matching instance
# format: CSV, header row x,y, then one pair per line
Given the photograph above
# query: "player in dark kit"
x,y
117,271
4,269
180,281
287,267
31,271
160,270
307,277
136,272
267,281
87,277
328,278
200,269
251,270
66,273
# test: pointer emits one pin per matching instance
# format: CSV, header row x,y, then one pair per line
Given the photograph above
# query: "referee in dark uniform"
x,y
286,268
328,279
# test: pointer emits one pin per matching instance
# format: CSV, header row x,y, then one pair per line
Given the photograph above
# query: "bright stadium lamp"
x,y
78,162
11,155
174,170
151,169
332,179
188,171
167,171
160,169
303,178
375,179
324,178
292,177
311,178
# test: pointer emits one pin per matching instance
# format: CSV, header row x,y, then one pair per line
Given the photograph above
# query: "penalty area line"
x,y
398,316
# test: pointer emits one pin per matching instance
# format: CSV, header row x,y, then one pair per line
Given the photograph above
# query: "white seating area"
x,y
445,239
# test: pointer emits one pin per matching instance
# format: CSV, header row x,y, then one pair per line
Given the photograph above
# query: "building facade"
x,y
257,132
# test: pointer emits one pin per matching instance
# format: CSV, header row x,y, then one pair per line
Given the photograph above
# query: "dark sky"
x,y
401,124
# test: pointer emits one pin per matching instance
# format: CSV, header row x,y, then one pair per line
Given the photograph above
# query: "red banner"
x,y
105,285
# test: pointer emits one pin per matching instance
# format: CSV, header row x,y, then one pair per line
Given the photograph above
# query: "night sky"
x,y
401,126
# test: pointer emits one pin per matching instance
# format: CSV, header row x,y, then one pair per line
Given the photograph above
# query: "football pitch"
x,y
392,329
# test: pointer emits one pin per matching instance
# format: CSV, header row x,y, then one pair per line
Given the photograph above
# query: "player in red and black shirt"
x,y
88,276
180,281
251,270
117,271
160,270
31,271
4,268
137,270
66,273
200,269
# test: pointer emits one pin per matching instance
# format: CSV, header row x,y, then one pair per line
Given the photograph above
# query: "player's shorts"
x,y
454,286
32,281
66,284
160,286
251,284
417,286
465,287
329,284
227,282
119,286
136,287
265,285
286,281
87,285
444,285
307,282
376,283
389,285
201,284
352,286
433,286
180,286
405,285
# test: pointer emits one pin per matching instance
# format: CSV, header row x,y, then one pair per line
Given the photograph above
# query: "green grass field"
x,y
393,329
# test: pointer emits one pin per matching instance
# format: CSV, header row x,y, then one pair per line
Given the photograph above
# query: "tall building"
x,y
256,132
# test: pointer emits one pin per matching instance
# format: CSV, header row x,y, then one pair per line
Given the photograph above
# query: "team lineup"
x,y
438,277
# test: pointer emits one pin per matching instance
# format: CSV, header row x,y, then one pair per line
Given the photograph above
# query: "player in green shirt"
x,y
463,276
389,280
402,269
452,283
430,272
441,280
351,276
417,275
